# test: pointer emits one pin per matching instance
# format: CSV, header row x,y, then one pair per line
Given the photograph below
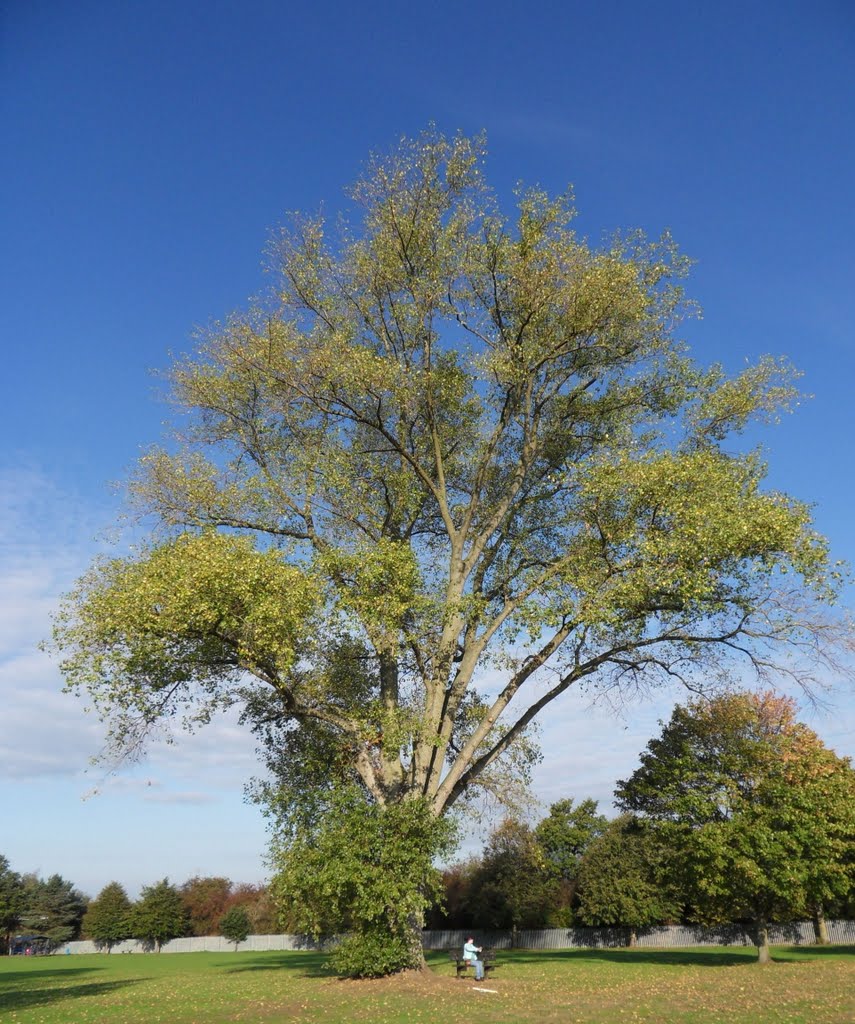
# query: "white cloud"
x,y
46,542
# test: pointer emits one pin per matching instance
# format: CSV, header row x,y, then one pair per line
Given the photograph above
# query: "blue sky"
x,y
148,150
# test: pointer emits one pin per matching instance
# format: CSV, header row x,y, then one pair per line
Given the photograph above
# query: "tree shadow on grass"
x,y
307,965
27,998
21,977
809,952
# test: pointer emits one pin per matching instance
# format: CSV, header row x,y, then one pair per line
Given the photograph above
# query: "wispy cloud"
x,y
47,539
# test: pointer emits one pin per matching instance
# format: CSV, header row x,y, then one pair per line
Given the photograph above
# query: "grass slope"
x,y
806,985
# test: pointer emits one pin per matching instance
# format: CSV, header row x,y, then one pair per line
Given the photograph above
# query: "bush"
x,y
372,954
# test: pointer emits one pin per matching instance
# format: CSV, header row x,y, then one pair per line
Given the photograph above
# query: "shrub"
x,y
372,954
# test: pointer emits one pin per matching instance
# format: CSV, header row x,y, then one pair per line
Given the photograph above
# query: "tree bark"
x,y
416,924
764,955
820,927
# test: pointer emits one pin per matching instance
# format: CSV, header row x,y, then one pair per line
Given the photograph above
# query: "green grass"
x,y
806,985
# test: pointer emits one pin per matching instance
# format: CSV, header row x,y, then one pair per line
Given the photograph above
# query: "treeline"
x,y
737,814
57,912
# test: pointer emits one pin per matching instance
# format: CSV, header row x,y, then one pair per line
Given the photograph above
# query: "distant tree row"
x,y
737,813
201,906
58,912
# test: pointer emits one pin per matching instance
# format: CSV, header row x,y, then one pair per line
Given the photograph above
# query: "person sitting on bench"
x,y
470,955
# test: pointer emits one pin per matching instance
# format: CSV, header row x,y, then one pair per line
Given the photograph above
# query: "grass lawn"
x,y
806,985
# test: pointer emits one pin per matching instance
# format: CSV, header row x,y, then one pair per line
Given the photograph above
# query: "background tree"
x,y
11,902
514,887
455,908
159,915
453,440
205,900
108,917
621,882
758,816
564,835
52,907
258,903
234,925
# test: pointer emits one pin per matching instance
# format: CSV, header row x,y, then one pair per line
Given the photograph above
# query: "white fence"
x,y
797,934
201,944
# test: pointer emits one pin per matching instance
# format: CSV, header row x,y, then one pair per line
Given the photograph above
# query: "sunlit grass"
x,y
805,985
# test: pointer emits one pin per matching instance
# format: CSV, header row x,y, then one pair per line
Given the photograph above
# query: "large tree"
x,y
205,900
159,915
514,886
757,815
457,465
621,881
108,917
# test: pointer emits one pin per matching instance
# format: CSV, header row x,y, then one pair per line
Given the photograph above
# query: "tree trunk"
x,y
763,953
820,927
633,938
416,923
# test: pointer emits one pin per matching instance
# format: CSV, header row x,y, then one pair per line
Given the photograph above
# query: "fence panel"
x,y
798,933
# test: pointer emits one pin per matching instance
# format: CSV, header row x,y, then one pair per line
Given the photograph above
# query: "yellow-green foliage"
x,y
199,608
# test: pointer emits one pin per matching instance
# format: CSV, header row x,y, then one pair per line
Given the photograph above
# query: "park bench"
x,y
486,956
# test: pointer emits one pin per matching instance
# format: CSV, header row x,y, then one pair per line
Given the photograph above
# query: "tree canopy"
x,y
567,832
159,915
205,900
234,925
757,815
459,463
621,881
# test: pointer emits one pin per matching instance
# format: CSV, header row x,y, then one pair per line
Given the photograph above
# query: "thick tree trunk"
x,y
820,928
764,955
416,923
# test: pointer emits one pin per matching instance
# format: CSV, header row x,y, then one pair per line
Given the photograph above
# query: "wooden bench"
x,y
486,956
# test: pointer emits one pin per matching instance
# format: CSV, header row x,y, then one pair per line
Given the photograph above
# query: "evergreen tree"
x,y
108,917
53,907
